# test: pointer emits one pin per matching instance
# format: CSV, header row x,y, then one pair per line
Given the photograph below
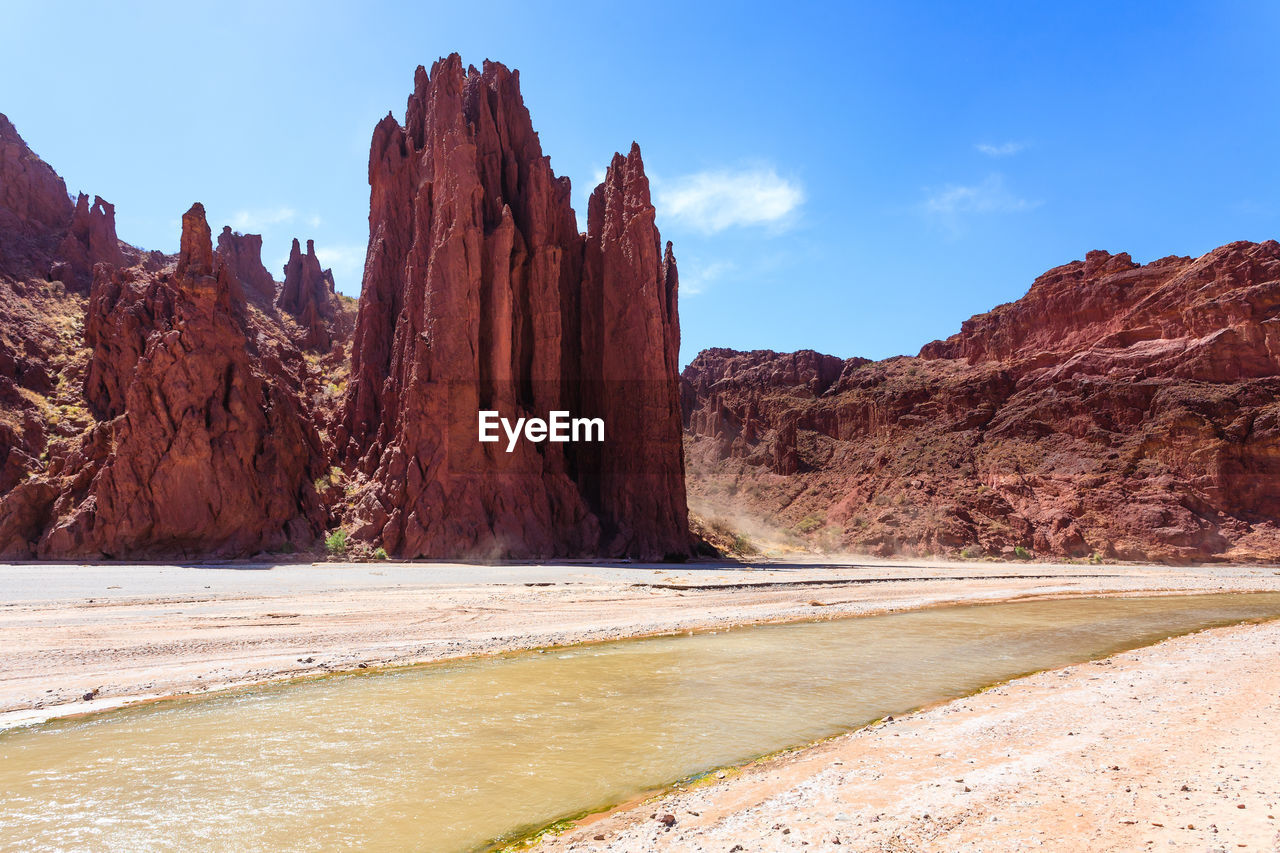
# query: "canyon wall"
x,y
1116,410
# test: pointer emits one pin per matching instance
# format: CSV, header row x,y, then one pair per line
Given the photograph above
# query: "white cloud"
x,y
256,220
314,220
347,263
716,200
990,196
698,277
1004,149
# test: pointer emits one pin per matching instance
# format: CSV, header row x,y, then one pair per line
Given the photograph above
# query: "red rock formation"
x,y
35,214
202,448
1120,410
308,295
91,240
630,324
35,211
41,232
475,296
243,255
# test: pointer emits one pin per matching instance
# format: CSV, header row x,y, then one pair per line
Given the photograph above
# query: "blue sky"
x,y
856,178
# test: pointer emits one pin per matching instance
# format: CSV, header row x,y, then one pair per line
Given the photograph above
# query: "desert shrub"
x,y
379,553
742,546
972,552
336,543
1021,553
809,523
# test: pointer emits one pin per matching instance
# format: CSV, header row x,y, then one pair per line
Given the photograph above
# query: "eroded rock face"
x,y
201,447
479,293
35,211
1121,410
243,254
308,295
629,358
90,240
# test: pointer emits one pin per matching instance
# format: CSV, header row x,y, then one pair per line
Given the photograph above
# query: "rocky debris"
x,y
309,296
1116,411
201,447
242,253
480,293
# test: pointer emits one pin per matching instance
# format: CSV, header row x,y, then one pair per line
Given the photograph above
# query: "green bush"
x,y
809,523
379,553
742,546
336,543
1021,553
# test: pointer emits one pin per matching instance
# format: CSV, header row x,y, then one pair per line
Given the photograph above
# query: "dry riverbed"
x,y
80,638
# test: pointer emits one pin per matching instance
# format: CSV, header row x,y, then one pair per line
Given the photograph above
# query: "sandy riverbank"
x,y
81,638
1171,747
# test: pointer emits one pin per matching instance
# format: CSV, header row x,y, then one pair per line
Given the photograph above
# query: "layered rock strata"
x,y
1116,410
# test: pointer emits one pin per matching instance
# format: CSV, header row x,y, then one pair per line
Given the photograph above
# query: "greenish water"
x,y
454,756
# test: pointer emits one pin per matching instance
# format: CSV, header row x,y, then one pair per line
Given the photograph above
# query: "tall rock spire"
x,y
243,255
475,296
307,294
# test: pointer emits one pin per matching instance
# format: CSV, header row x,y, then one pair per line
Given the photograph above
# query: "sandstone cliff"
x,y
480,293
201,447
1116,410
168,412
35,212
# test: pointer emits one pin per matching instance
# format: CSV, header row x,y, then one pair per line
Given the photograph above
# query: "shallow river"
x,y
453,756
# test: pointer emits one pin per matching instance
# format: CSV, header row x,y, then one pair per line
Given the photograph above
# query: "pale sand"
x,y
121,633
1171,747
